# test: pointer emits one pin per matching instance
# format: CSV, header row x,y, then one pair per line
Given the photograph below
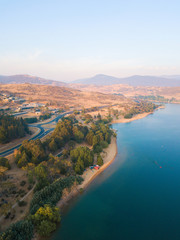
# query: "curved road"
x,y
41,134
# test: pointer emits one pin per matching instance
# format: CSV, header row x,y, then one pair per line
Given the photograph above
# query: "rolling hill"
x,y
98,80
61,96
18,79
162,81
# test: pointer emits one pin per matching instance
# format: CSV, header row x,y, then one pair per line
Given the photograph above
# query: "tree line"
x,y
140,107
12,128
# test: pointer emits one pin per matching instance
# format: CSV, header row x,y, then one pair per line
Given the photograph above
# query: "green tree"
x,y
65,153
23,161
99,160
95,140
79,167
45,219
89,137
45,228
4,162
22,230
53,146
41,171
12,128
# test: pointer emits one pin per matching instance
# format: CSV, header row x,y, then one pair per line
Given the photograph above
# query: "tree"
x,y
45,228
45,219
41,184
53,146
4,162
108,137
99,116
23,161
99,160
22,230
41,171
85,154
30,175
97,149
95,140
89,137
79,167
104,144
65,153
12,128
78,135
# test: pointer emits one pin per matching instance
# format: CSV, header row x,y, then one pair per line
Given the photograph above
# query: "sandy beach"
x,y
108,157
136,117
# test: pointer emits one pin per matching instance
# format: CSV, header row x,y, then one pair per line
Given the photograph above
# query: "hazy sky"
x,y
71,39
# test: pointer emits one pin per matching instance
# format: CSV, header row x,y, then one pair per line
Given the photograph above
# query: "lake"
x,y
138,196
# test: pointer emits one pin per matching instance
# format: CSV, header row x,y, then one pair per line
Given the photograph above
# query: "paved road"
x,y
20,113
42,132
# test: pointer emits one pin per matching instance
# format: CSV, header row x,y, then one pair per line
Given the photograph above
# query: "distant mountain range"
x,y
98,80
19,79
162,81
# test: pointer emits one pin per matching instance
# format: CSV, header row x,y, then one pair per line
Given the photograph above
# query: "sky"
x,y
71,39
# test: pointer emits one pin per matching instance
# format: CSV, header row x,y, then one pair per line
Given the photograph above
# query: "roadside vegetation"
x,y
42,117
45,116
4,163
31,120
12,128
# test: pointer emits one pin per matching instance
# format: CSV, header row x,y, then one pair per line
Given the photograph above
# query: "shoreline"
x,y
110,152
89,175
127,120
109,158
136,117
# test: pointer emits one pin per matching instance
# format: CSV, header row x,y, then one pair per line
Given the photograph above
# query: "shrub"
x,y
98,149
22,203
30,187
4,163
22,183
104,144
128,115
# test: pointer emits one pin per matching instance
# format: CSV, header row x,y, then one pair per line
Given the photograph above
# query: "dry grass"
x,y
130,91
61,96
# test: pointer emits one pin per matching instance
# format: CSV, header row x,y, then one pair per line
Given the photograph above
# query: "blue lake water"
x,y
138,196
